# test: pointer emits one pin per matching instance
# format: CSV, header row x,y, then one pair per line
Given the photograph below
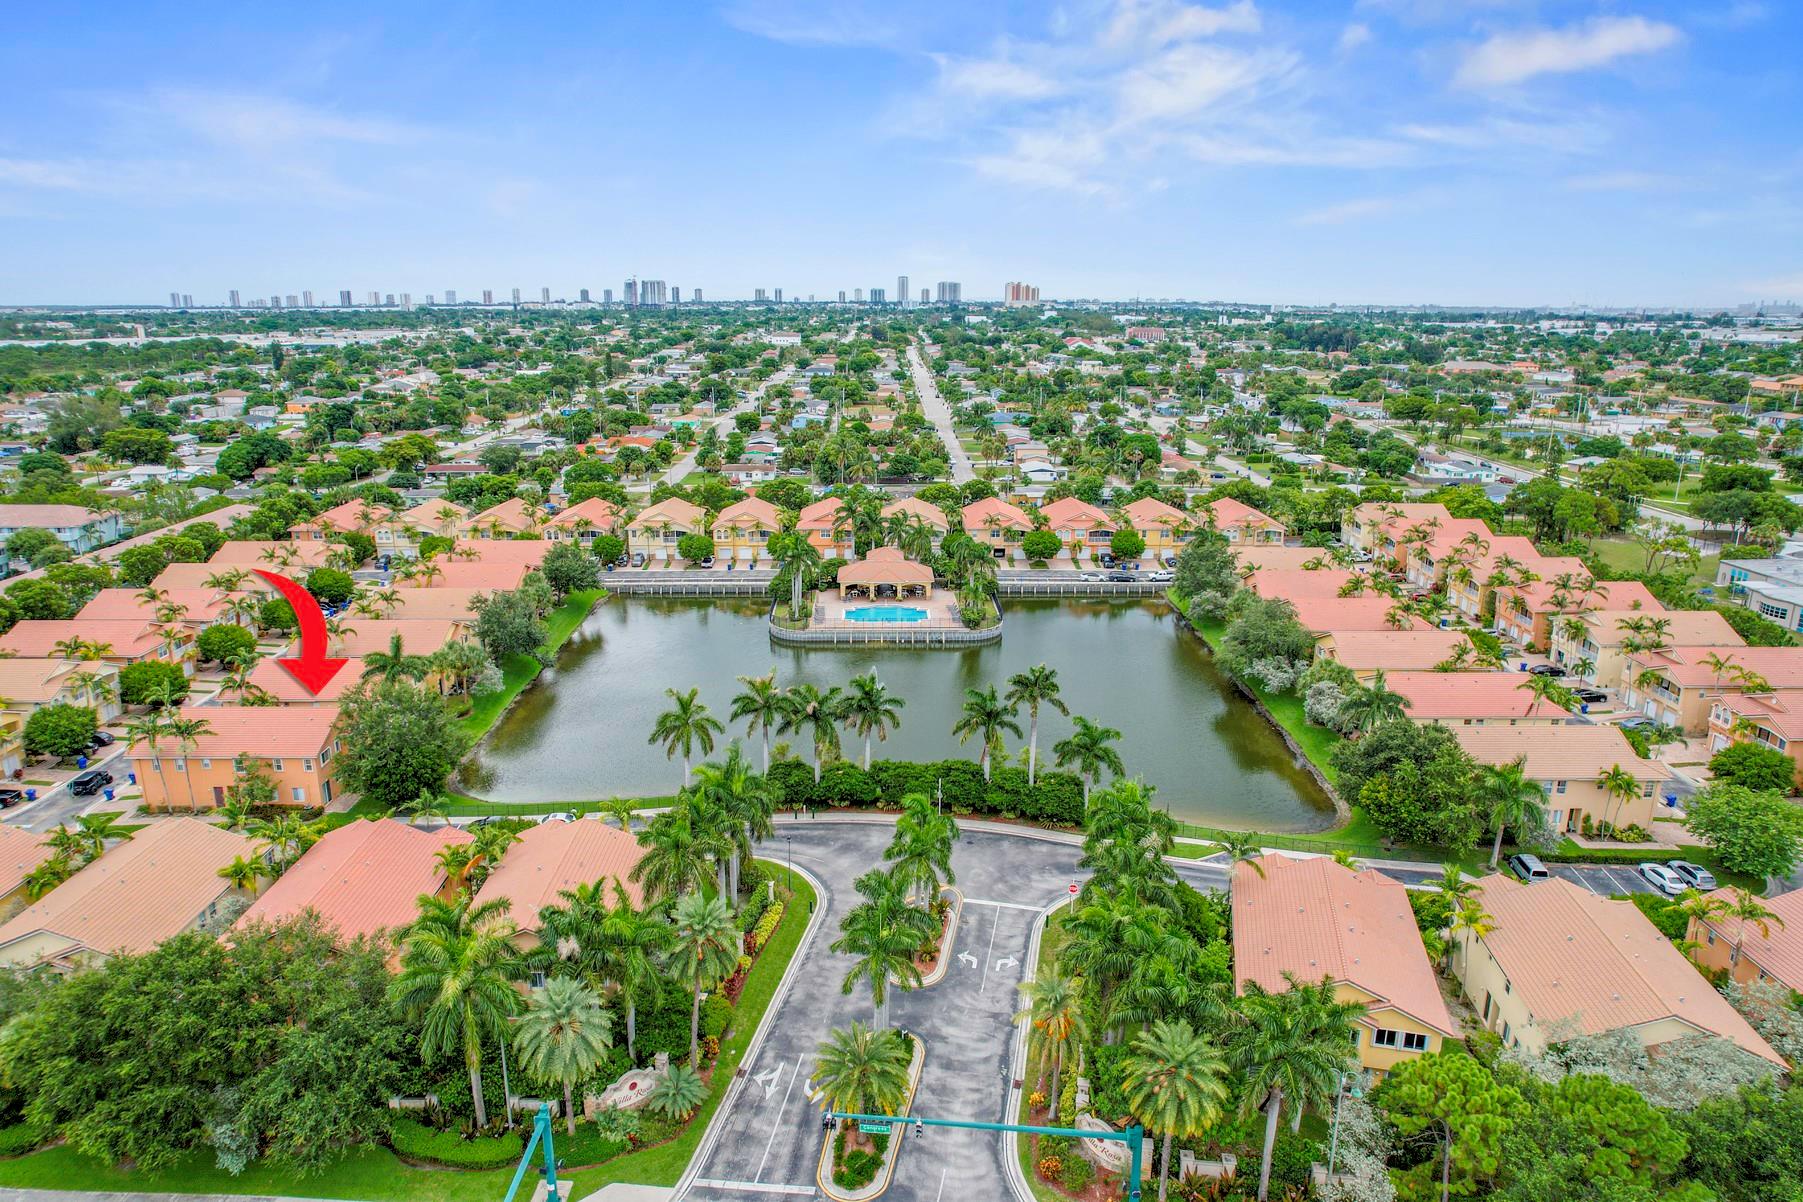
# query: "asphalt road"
x,y
57,806
940,414
680,469
769,1139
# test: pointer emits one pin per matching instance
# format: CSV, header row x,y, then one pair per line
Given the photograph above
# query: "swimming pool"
x,y
886,613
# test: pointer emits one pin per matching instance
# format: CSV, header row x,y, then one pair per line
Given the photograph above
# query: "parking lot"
x,y
1606,880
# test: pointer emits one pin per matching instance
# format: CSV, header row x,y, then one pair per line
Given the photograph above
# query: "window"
x,y
1408,1041
538,980
1560,788
306,765
206,763
276,764
1646,788
299,794
1505,1033
1775,612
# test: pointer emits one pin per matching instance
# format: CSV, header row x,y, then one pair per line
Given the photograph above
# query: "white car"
x,y
1090,576
1161,577
1663,879
560,816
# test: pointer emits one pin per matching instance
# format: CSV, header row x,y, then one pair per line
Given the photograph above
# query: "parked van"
x,y
1528,868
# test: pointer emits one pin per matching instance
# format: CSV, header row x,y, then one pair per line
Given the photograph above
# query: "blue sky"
x,y
1408,151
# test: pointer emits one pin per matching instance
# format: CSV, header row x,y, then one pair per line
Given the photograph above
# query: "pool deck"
x,y
940,628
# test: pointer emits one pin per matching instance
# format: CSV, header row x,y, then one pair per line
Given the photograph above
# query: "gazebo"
x,y
886,568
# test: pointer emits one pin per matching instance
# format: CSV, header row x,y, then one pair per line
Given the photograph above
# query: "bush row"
x,y
416,1141
1056,798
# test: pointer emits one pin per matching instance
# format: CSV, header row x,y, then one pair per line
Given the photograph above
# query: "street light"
x,y
1333,1144
789,850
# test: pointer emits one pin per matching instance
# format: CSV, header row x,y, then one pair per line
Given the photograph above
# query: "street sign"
x,y
1073,888
873,1126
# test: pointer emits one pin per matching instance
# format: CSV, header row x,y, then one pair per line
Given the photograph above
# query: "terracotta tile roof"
x,y
245,553
153,886
437,602
1392,650
1687,627
1293,583
529,551
673,511
20,852
48,516
1315,918
1284,558
1559,752
487,575
1773,710
428,515
554,856
511,515
1779,952
751,512
259,731
361,878
1067,512
364,635
37,637
993,511
1229,512
201,604
1150,511
1340,614
183,576
822,513
1454,695
1781,667
1578,958
1630,595
275,680
344,517
926,511
33,681
602,514
885,565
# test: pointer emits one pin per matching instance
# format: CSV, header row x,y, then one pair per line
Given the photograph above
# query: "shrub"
x,y
1077,1174
21,1138
693,547
1040,545
1663,913
60,730
416,1141
223,641
1051,1167
141,681
716,1014
1757,767
766,927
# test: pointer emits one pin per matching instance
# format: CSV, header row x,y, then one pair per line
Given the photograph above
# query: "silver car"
x,y
1663,879
1694,875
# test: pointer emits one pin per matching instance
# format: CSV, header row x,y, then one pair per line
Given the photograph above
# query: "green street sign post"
x,y
541,1131
1134,1137
872,1127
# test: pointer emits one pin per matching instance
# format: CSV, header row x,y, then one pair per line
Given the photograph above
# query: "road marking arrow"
x,y
1006,962
968,958
768,1079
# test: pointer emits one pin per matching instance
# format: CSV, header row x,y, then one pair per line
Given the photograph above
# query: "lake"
x,y
581,732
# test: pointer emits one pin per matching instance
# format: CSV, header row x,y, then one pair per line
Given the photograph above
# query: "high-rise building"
x,y
389,300
275,302
488,296
760,295
584,295
234,301
632,293
175,300
291,300
779,296
926,296
901,291
949,292
407,300
375,298
675,295
858,295
654,292
306,298
187,300
450,296
516,296
842,296
431,299
697,296
544,296
878,296
607,296
1017,293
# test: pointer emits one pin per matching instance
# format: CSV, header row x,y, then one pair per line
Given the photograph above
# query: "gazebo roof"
x,y
885,565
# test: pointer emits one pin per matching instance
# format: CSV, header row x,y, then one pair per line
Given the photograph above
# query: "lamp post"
x,y
789,852
1333,1143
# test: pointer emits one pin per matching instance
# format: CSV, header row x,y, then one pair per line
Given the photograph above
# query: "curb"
x,y
879,1185
951,934
1017,1064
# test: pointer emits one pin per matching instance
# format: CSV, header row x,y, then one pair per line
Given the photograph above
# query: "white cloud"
x,y
1056,159
1352,37
993,78
1509,58
1350,210
813,22
1623,181
44,173
1157,23
1185,80
257,123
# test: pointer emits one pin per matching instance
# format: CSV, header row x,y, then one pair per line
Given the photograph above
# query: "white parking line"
x,y
781,1106
988,954
757,1187
972,901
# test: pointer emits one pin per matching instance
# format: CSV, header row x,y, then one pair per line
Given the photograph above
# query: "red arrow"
x,y
312,669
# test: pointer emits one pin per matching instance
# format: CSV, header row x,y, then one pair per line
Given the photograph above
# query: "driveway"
x,y
768,1138
940,414
57,805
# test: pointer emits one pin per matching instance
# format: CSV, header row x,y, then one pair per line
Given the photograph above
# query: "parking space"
x,y
1606,880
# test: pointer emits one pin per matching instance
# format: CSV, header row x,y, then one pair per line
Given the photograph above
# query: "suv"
x,y
1694,875
1546,670
10,796
101,739
1528,868
90,782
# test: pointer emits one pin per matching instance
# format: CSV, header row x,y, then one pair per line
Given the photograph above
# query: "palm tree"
x,y
1373,705
871,709
285,837
862,1070
490,846
684,725
95,830
986,716
563,1037
1469,919
679,854
1545,689
244,872
1033,688
1747,909
678,1093
53,871
457,967
796,558
885,933
1290,1050
1176,1084
1505,793
817,713
1242,847
394,663
704,948
1055,1008
454,860
187,731
1620,786
920,855
762,705
632,940
1088,750
745,800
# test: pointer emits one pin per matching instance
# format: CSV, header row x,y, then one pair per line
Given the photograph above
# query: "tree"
x,y
1040,545
1264,632
152,682
568,569
1207,574
920,854
871,709
1759,834
1033,688
457,965
224,641
744,802
862,1070
678,1093
987,717
397,741
60,730
1055,1008
244,873
1370,706
507,624
563,1037
1754,766
762,705
695,547
885,933
1175,1081
817,714
704,948
395,664
679,854
1747,911
1291,1051
1510,799
133,444
1454,1098
331,586
608,548
684,726
1128,543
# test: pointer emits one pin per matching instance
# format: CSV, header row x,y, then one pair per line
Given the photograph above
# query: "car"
x,y
559,816
638,559
11,797
1663,879
1106,559
1639,723
1162,577
1528,868
1089,576
1590,696
1122,577
90,782
1546,670
706,561
1694,875
101,739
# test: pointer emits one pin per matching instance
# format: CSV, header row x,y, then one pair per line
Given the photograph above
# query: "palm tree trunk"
x,y
569,1108
985,763
1033,750
816,761
866,752
1164,1166
766,749
732,876
882,1011
1057,1092
476,1094
695,1032
1273,1104
632,1024
720,881
685,771
1496,847
1296,1119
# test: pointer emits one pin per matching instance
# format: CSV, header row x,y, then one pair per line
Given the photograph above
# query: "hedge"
x,y
415,1141
20,1138
1057,797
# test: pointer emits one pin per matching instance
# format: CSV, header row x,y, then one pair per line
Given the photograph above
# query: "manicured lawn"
x,y
461,806
1625,555
518,671
662,1165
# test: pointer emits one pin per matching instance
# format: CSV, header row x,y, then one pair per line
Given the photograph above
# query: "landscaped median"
x,y
852,1175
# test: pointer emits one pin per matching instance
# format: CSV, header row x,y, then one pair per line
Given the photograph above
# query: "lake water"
x,y
581,732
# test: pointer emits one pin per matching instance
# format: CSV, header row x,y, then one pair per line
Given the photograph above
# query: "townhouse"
x,y
1473,699
27,685
1772,720
1567,761
1315,919
292,746
75,526
1677,685
362,636
269,677
198,608
1241,523
1275,557
401,533
1596,645
116,641
1526,611
481,574
270,555
827,532
654,533
1747,953
1165,528
1374,527
913,509
742,531
358,517
512,518
584,522
528,551
1084,532
1559,962
162,881
1366,652
21,851
554,856
1478,567
997,525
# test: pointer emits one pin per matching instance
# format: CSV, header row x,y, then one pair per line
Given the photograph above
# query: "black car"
x,y
1546,670
1122,577
11,797
1590,696
101,739
90,782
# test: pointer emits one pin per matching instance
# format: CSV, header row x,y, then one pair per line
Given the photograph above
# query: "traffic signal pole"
x,y
541,1132
1134,1137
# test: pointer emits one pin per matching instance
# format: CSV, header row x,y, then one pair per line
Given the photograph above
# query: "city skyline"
x,y
1372,152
